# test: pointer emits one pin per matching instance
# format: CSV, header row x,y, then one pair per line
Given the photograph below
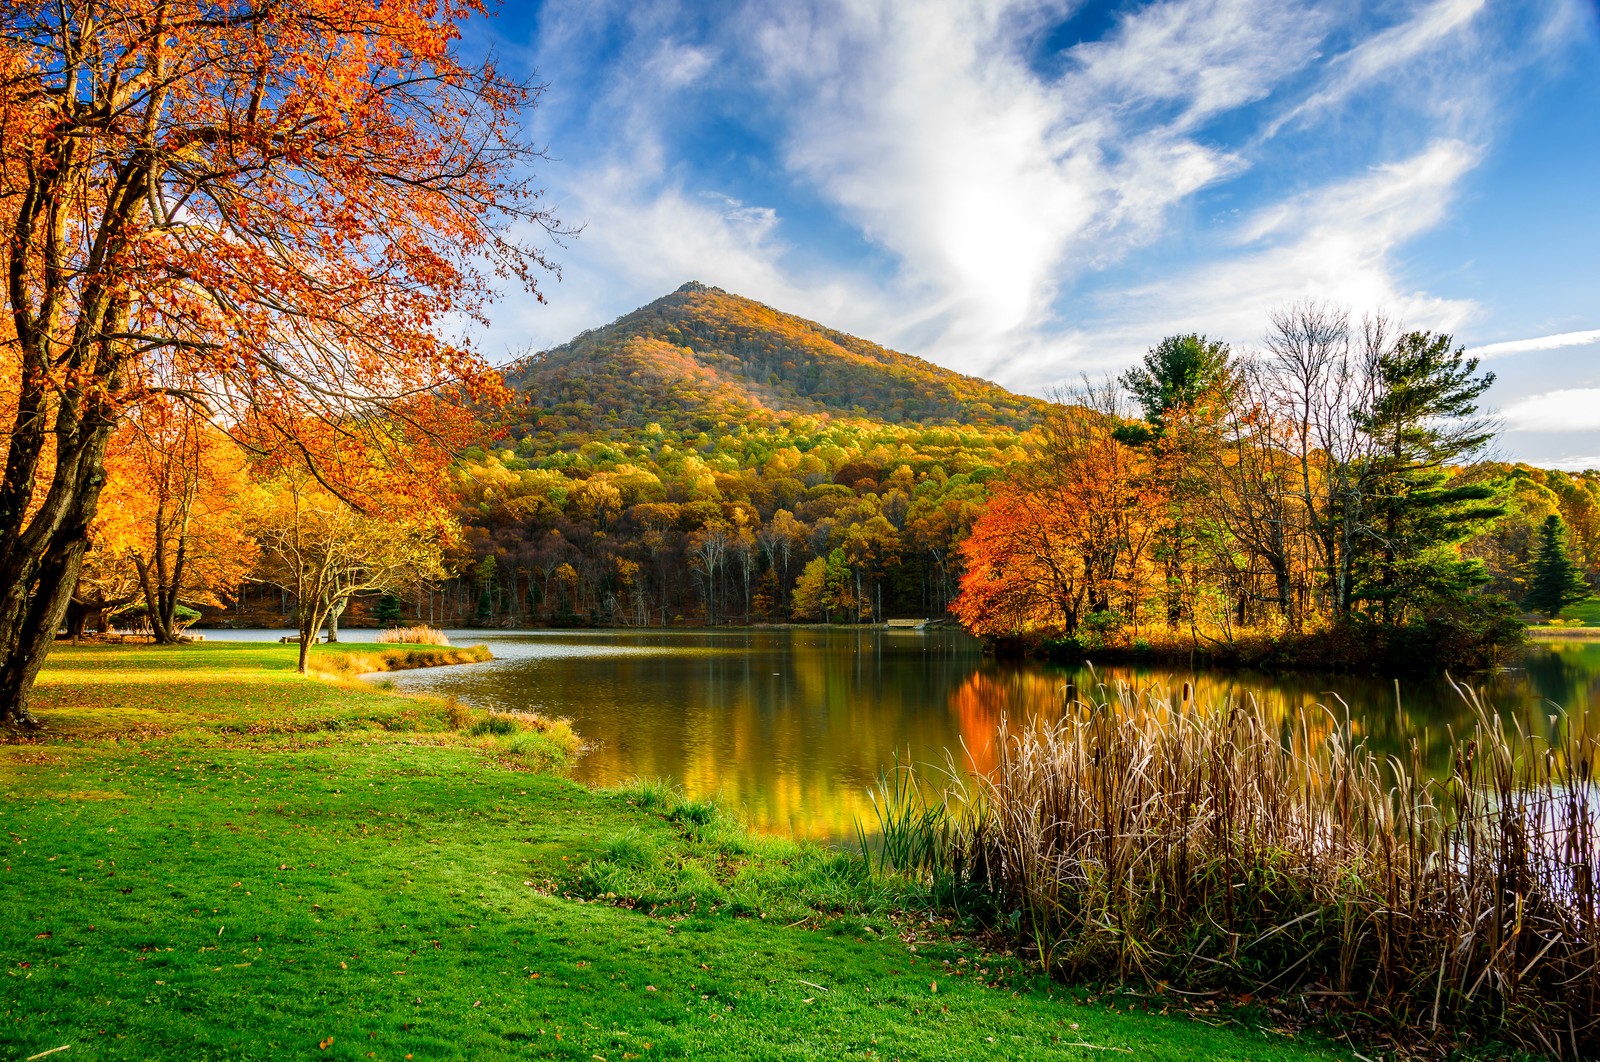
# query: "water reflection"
x,y
795,725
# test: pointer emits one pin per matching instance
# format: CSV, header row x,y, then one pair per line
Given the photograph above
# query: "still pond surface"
x,y
795,725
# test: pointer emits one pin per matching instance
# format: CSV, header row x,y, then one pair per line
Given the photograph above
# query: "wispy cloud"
x,y
1526,346
1333,244
995,200
1571,409
1380,57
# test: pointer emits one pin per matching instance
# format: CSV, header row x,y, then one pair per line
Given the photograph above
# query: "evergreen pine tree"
x,y
1424,423
1557,582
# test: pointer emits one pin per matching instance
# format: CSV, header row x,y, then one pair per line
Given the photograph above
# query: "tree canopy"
x,y
264,209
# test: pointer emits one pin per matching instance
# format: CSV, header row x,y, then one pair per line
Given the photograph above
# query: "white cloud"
x,y
1571,409
1383,55
1571,463
992,184
992,193
1524,346
1334,244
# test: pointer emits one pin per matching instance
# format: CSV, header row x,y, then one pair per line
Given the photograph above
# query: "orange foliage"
x,y
1069,536
173,528
264,209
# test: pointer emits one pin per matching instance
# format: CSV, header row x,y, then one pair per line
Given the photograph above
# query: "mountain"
x,y
701,357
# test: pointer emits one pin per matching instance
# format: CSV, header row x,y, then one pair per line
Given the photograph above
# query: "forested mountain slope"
x,y
710,459
701,356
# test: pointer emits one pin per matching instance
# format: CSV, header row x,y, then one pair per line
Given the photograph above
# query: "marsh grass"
x,y
421,634
348,663
1213,849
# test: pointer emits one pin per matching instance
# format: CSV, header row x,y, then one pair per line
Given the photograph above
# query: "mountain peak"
x,y
703,357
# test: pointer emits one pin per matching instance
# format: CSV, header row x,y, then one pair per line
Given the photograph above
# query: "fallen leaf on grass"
x,y
324,1045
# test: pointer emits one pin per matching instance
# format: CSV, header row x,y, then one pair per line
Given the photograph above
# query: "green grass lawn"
x,y
1586,612
208,856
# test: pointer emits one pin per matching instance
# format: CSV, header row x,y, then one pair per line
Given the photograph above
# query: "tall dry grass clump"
x,y
1218,849
421,634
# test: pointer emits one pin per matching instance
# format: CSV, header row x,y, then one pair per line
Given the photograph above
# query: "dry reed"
x,y
1220,850
422,634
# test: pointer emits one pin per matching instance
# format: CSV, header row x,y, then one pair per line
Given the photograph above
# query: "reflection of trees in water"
x,y
800,749
1389,715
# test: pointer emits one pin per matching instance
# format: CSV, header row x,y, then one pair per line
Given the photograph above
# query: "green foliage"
x,y
1424,421
388,609
1102,627
137,616
1556,581
1178,372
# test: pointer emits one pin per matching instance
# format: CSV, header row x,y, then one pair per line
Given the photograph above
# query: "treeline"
x,y
1318,502
1314,503
815,519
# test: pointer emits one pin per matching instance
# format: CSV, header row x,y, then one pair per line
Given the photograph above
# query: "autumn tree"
x,y
262,208
176,529
1071,534
318,547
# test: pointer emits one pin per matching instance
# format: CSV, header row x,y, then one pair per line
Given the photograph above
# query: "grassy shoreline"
x,y
208,856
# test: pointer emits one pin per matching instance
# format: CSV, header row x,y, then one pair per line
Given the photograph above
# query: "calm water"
x,y
794,725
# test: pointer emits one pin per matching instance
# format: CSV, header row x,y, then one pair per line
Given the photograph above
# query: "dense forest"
x,y
709,460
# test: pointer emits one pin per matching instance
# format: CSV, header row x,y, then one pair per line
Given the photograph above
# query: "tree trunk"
x,y
155,604
39,567
311,620
334,612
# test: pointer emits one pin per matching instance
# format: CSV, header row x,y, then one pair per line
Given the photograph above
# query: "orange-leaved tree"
x,y
265,208
1068,535
175,529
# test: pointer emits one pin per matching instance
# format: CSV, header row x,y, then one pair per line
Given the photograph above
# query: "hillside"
x,y
701,356
708,459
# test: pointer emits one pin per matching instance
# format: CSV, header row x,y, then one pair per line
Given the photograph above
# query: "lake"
x,y
794,725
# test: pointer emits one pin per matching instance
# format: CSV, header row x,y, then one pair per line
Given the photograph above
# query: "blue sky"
x,y
1031,190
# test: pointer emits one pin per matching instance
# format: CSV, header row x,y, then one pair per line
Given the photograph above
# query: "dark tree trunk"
x,y
29,618
42,555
